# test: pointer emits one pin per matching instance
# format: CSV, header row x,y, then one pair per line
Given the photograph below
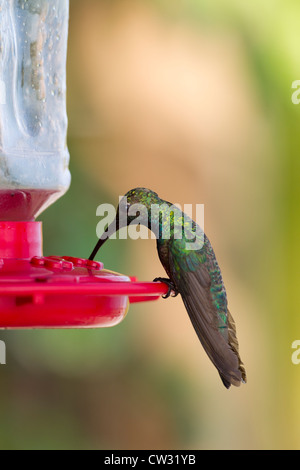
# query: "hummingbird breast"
x,y
164,255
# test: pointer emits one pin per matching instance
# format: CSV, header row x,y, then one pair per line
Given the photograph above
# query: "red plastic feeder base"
x,y
60,292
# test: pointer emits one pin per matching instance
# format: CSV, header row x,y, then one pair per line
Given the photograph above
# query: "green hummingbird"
x,y
193,272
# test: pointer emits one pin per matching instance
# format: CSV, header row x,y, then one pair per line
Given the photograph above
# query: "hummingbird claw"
x,y
170,284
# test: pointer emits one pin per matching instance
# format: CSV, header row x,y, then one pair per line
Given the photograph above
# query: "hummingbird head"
x,y
141,196
132,201
136,204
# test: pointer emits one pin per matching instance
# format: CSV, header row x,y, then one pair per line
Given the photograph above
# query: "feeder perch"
x,y
38,291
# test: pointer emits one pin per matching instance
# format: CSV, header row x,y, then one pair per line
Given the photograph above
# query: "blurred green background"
x,y
192,99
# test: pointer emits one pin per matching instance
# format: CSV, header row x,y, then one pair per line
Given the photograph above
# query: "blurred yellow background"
x,y
193,100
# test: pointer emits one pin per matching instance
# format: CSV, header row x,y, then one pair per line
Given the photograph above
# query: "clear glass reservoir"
x,y
33,121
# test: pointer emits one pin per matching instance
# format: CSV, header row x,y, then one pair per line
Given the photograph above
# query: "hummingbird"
x,y
193,272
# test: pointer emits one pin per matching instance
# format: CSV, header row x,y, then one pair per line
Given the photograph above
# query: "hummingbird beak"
x,y
112,228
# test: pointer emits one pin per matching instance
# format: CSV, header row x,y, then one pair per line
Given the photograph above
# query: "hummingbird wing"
x,y
197,276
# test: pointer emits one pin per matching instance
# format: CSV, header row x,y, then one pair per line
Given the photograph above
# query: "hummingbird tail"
x,y
234,345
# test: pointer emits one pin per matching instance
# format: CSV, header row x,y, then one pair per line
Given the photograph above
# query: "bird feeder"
x,y
37,291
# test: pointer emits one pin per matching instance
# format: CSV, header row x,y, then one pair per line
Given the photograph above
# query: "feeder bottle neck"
x,y
20,240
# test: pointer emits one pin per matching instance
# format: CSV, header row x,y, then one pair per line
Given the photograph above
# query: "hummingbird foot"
x,y
170,284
